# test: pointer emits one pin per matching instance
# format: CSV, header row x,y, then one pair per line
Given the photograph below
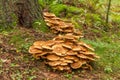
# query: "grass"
x,y
109,53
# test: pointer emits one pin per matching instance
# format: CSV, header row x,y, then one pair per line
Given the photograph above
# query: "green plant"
x,y
40,27
69,76
25,46
108,69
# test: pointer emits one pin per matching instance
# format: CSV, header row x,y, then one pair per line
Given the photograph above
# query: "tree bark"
x,y
108,11
22,12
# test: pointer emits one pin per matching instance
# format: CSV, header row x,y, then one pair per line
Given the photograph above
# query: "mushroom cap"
x,y
62,59
90,54
68,61
58,29
59,50
82,56
70,52
69,36
38,43
38,55
49,43
77,48
65,60
47,14
53,57
37,46
87,53
74,58
56,18
58,41
54,22
63,64
67,45
34,50
46,47
86,45
59,37
49,24
61,68
78,64
54,63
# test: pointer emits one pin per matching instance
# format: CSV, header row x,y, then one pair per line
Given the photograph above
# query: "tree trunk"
x,y
108,11
21,12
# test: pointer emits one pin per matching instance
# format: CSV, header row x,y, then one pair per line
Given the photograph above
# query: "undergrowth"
x,y
109,55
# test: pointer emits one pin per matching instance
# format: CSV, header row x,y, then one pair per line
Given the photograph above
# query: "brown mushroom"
x,y
38,43
34,50
58,41
74,58
69,36
63,64
67,45
46,47
53,57
65,60
37,46
48,14
59,37
90,54
56,18
70,52
49,42
77,48
85,45
54,63
82,56
68,61
59,50
38,55
62,59
78,64
61,68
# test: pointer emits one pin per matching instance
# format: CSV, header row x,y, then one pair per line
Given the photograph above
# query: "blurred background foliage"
x,y
87,15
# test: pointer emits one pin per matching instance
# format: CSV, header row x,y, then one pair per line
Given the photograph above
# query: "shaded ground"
x,y
17,64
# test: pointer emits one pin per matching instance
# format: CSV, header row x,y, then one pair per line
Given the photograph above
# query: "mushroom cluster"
x,y
57,25
64,52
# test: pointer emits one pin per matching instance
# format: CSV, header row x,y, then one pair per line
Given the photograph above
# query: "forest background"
x,y
89,16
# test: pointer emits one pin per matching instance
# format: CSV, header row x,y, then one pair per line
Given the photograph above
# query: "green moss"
x,y
72,9
57,8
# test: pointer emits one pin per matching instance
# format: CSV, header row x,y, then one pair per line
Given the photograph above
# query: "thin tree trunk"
x,y
108,11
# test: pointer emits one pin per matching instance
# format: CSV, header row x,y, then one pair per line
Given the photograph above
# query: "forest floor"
x,y
17,64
